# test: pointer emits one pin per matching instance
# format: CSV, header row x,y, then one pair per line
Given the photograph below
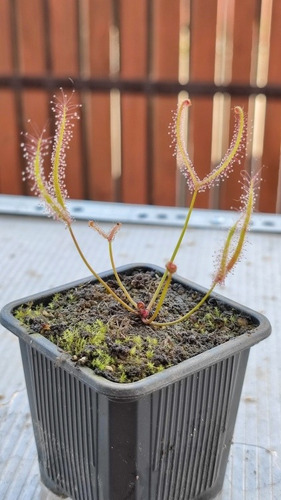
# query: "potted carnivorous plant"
x,y
134,375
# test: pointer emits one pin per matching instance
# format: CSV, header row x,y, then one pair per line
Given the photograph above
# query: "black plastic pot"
x,y
166,437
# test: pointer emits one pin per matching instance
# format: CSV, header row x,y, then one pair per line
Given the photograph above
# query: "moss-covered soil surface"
x,y
97,332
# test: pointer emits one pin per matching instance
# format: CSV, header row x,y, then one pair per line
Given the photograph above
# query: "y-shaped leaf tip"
x,y
222,170
52,191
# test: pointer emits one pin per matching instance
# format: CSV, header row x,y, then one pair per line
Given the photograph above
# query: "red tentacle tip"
x,y
187,102
237,110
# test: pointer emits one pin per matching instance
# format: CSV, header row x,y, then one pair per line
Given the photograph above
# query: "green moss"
x,y
133,350
149,354
81,337
27,311
122,377
138,341
102,361
152,341
120,348
72,342
55,300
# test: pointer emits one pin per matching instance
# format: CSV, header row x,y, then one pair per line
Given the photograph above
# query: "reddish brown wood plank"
x,y
202,63
271,157
10,174
64,37
243,50
100,179
100,20
134,150
5,38
244,27
31,37
272,137
36,109
100,184
133,53
64,56
165,58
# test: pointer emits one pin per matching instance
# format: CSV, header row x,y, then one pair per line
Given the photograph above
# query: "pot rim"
x,y
133,390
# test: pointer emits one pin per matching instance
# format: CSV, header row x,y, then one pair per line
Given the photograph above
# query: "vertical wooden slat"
x,y
202,62
272,137
63,37
31,60
63,18
5,38
165,58
31,37
244,50
133,54
100,185
10,176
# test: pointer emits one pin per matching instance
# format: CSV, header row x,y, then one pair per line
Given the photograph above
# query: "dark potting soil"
x,y
98,332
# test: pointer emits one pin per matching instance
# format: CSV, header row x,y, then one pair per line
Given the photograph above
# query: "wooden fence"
x,y
130,62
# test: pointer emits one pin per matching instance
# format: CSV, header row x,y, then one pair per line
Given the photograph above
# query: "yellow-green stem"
x,y
158,290
101,281
161,300
187,315
177,247
130,299
183,231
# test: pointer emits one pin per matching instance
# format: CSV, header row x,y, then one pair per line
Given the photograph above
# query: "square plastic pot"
x,y
166,437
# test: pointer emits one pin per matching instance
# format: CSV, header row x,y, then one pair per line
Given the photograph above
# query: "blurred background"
x,y
130,63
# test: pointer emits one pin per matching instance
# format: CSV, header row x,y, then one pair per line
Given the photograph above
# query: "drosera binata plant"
x,y
52,191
